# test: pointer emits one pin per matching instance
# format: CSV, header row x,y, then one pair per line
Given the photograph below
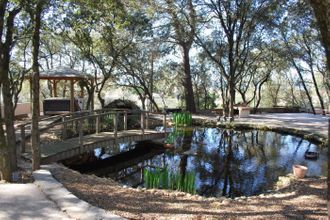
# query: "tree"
x,y
301,41
265,62
139,77
203,81
8,159
35,11
237,28
322,11
183,20
100,32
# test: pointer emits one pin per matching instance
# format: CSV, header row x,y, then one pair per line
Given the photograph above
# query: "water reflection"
x,y
226,162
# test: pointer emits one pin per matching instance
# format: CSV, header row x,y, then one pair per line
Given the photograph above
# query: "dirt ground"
x,y
294,199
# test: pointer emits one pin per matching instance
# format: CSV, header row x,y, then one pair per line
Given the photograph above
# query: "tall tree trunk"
x,y
187,82
184,35
304,86
197,96
6,35
317,91
5,166
143,102
311,68
322,14
89,102
224,95
205,97
231,97
35,134
9,120
243,95
153,102
99,93
151,85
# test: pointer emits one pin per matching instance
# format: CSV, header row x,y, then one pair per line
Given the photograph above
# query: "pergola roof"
x,y
64,73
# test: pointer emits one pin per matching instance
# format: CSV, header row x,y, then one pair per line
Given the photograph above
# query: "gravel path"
x,y
298,199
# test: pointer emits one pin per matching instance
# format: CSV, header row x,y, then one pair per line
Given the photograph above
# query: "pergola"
x,y
64,73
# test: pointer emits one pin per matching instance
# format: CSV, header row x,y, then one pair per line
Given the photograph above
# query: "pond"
x,y
217,162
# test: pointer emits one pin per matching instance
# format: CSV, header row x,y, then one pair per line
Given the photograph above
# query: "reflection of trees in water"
x,y
186,145
227,174
209,165
229,163
214,166
227,170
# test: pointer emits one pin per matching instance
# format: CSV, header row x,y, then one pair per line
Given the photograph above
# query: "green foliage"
x,y
170,139
164,179
182,119
108,120
176,133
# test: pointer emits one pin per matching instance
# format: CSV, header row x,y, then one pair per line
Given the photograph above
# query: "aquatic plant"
x,y
177,134
164,179
182,119
170,139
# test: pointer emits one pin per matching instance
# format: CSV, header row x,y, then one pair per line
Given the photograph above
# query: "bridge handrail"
x,y
54,116
94,114
100,114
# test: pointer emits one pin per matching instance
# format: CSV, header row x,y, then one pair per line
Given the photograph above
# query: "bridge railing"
x,y
78,125
23,127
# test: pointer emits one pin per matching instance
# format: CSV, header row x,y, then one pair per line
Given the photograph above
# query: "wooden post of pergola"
x,y
72,95
55,88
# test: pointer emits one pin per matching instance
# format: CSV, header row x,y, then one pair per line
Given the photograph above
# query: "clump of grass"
x,y
182,119
170,139
164,179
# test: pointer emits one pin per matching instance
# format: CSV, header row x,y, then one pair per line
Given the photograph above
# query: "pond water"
x,y
224,162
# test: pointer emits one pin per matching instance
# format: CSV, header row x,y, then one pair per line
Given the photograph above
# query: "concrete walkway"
x,y
301,123
315,124
26,201
45,199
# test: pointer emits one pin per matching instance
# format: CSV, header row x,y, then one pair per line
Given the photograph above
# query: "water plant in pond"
x,y
178,132
164,179
182,119
170,139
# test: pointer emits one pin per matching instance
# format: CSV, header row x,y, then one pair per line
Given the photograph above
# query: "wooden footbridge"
x,y
74,134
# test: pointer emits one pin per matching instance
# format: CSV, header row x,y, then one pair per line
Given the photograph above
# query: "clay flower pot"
x,y
299,171
167,145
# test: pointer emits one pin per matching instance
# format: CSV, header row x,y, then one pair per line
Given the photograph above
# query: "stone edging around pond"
x,y
307,135
65,200
283,182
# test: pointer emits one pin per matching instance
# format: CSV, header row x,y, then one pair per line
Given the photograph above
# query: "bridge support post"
x,y
164,123
125,120
65,126
22,138
97,125
115,126
142,122
147,120
80,130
